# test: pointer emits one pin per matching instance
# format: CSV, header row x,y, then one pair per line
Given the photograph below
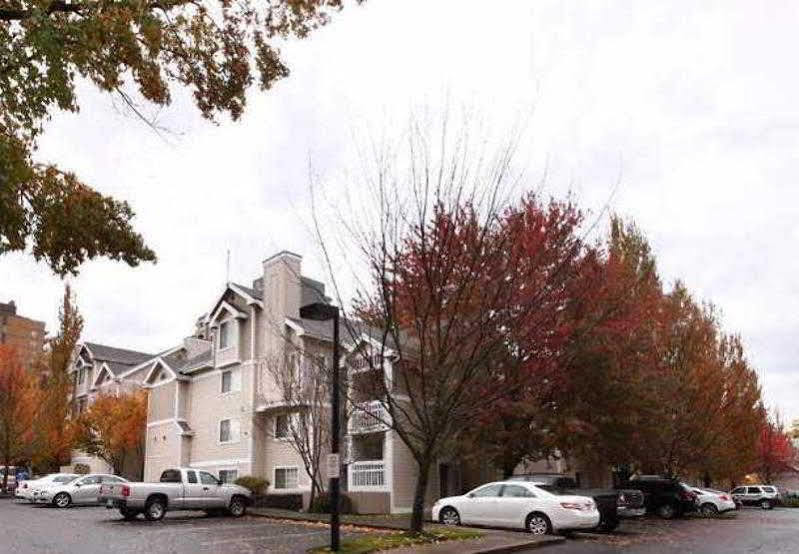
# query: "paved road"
x,y
748,530
29,529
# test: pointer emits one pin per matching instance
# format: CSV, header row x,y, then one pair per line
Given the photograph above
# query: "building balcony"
x,y
368,417
367,475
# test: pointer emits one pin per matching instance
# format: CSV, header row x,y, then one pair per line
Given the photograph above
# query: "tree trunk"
x,y
706,480
417,517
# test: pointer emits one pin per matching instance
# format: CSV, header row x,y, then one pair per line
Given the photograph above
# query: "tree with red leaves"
x,y
775,449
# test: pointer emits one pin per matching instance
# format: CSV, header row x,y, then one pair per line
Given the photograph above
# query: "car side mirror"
x,y
77,484
470,495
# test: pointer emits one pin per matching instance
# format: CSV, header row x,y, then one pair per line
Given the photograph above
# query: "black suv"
x,y
664,496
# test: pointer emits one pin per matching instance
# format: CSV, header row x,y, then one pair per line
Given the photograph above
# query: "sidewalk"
x,y
492,541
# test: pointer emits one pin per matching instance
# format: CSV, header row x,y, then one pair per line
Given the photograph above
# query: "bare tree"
x,y
302,380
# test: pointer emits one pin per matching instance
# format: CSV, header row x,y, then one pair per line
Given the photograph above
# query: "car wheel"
x,y
62,500
709,510
667,511
608,526
238,507
449,516
155,509
538,524
766,504
128,514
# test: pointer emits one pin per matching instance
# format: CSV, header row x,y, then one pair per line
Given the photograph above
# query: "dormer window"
x,y
224,334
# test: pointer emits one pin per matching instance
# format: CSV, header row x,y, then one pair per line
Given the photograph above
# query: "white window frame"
x,y
229,373
274,480
228,469
234,431
225,324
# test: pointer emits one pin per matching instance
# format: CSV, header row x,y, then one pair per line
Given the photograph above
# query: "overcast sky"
x,y
693,109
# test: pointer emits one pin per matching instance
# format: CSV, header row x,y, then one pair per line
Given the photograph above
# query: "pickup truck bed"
x,y
178,489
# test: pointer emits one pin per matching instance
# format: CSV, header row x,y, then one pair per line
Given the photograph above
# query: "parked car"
x,y
81,489
11,479
664,496
24,490
177,489
519,505
612,504
712,502
765,496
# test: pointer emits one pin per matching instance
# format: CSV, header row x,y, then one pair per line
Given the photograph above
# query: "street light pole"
x,y
334,442
320,311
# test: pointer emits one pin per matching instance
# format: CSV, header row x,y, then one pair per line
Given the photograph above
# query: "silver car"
x,y
80,490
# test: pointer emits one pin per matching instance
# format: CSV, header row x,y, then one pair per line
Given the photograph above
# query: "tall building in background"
x,y
26,335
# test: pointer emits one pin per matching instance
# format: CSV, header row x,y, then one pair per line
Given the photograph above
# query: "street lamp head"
x,y
319,311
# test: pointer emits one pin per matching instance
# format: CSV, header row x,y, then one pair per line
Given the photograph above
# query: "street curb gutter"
x,y
544,541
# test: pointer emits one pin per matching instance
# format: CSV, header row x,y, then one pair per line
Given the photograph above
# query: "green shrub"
x,y
82,469
255,484
321,504
791,502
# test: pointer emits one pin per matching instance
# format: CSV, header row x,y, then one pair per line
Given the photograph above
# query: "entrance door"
x,y
443,480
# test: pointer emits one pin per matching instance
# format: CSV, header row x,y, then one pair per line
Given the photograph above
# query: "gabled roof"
x,y
106,353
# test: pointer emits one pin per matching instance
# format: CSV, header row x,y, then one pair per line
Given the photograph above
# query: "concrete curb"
x,y
541,542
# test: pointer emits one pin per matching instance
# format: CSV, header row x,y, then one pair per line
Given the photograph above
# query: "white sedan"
x,y
520,505
82,489
713,502
25,489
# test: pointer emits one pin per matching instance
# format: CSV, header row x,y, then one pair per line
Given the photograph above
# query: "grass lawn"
x,y
386,541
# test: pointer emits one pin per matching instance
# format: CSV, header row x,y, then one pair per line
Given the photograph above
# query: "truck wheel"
x,y
238,506
155,509
608,526
667,511
766,504
62,500
128,514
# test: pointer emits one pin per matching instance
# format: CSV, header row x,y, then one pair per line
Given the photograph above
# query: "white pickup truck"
x,y
178,489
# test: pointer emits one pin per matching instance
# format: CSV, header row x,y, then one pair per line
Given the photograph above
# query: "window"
x,y
224,334
754,490
739,490
81,376
282,426
287,477
228,475
191,476
516,491
208,479
112,479
231,381
93,480
488,490
171,476
228,430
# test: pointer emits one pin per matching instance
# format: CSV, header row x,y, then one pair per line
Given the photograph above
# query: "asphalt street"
x,y
748,530
32,529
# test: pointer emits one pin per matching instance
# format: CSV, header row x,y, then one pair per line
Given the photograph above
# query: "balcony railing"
x,y
369,417
367,474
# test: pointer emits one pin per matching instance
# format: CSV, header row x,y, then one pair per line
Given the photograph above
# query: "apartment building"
x,y
213,403
101,369
23,334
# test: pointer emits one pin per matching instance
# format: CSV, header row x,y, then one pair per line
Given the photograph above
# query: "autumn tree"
x,y
607,395
459,292
302,381
143,49
53,436
774,448
113,429
18,401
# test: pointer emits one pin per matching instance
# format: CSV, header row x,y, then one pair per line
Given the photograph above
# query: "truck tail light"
x,y
125,490
725,497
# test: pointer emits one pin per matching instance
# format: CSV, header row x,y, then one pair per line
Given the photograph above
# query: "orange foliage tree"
x,y
113,428
18,401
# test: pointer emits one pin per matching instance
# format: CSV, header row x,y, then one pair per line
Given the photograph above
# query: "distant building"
x,y
26,335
